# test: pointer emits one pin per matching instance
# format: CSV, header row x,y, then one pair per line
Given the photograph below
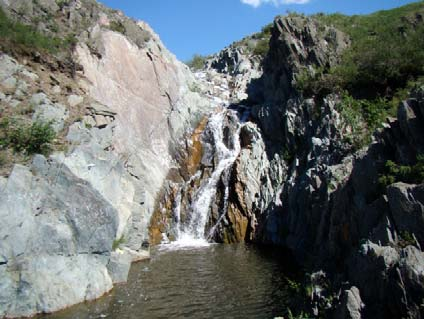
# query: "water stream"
x,y
191,277
192,232
219,281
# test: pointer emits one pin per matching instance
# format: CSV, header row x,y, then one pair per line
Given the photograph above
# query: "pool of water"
x,y
216,281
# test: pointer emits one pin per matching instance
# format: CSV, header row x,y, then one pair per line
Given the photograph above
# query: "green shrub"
x,y
193,87
14,33
262,47
316,82
117,26
386,51
28,138
264,33
406,239
197,62
363,117
62,3
118,242
393,173
301,315
3,158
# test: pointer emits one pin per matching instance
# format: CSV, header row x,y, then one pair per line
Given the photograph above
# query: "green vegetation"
x,y
261,48
3,159
257,43
406,239
62,3
197,62
363,117
194,87
386,51
301,315
117,26
27,138
384,62
118,242
412,174
15,34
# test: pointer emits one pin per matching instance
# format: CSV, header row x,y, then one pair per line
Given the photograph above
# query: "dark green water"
x,y
219,281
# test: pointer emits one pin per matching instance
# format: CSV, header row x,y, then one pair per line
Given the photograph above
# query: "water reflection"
x,y
219,281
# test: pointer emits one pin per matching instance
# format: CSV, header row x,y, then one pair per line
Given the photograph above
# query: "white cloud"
x,y
257,3
295,1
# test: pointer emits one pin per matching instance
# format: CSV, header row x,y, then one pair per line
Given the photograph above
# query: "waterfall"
x,y
192,232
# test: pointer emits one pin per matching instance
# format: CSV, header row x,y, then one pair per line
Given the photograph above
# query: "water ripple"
x,y
217,281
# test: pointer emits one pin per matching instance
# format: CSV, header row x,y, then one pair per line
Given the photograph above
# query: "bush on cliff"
x,y
28,138
387,51
197,62
261,47
16,34
384,62
413,174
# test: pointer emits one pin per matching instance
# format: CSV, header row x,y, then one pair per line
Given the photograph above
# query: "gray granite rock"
x,y
119,266
49,112
52,223
75,100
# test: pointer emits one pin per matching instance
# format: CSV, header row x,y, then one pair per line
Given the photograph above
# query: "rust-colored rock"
x,y
195,151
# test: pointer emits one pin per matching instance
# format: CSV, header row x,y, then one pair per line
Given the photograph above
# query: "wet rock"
x,y
43,288
119,266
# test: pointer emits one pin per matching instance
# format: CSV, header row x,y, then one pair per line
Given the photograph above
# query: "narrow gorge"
x,y
286,182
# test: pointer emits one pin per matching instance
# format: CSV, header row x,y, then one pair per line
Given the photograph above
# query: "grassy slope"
x,y
17,36
384,62
387,50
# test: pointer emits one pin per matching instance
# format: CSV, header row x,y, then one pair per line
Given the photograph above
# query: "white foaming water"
x,y
193,234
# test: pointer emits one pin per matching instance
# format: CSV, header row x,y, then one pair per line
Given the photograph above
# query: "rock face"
x,y
149,91
299,181
238,67
58,233
120,104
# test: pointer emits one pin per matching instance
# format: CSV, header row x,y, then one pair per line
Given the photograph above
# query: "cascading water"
x,y
192,231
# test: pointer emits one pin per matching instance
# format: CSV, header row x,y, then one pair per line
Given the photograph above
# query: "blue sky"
x,y
206,26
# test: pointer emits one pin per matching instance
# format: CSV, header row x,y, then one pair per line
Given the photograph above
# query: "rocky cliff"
x,y
310,175
119,103
314,193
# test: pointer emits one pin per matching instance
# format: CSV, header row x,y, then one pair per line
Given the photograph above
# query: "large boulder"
x,y
57,237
